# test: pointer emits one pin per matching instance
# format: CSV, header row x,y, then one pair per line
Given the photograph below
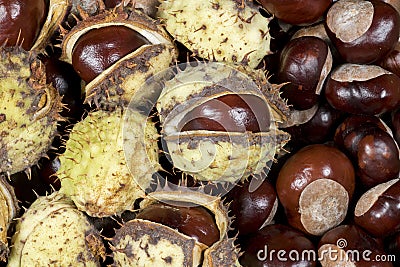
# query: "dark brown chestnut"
x,y
194,221
363,89
98,49
252,210
391,62
315,186
68,84
297,11
363,32
304,63
378,209
349,245
21,21
278,245
229,113
396,124
319,129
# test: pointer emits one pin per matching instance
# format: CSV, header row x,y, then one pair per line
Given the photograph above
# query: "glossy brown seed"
x,y
319,129
349,245
304,64
363,89
391,62
98,49
252,210
195,222
378,210
377,158
296,11
229,113
396,124
21,21
362,31
260,249
302,188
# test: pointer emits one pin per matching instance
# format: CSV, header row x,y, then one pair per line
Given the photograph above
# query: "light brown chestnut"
x,y
362,31
315,186
378,209
363,89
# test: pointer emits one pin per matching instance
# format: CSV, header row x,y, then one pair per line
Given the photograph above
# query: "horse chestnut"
x,y
363,89
98,49
362,31
302,188
305,63
378,210
21,21
195,221
297,11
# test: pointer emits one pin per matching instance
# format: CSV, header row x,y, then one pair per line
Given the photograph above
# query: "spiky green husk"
x,y
217,155
8,210
109,162
52,232
223,31
28,110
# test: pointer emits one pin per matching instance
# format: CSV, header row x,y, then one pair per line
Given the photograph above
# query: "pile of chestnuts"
x,y
200,133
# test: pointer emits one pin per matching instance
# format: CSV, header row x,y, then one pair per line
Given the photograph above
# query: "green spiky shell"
x,y
28,110
223,30
8,211
144,243
119,83
217,155
108,162
52,232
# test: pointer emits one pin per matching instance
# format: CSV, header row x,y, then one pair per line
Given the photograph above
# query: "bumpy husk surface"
x,y
28,110
223,30
145,243
52,232
218,155
109,162
118,83
8,210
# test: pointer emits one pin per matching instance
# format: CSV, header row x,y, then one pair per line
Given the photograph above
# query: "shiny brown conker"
x,y
378,210
297,11
194,221
302,188
349,245
99,48
391,62
304,64
261,249
362,89
363,32
21,21
252,210
396,124
229,113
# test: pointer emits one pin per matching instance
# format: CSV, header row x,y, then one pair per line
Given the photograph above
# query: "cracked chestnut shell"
x,y
155,243
115,52
302,188
363,32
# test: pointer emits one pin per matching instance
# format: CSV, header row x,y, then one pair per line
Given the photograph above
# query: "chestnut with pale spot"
x,y
378,209
363,89
350,246
315,186
363,32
